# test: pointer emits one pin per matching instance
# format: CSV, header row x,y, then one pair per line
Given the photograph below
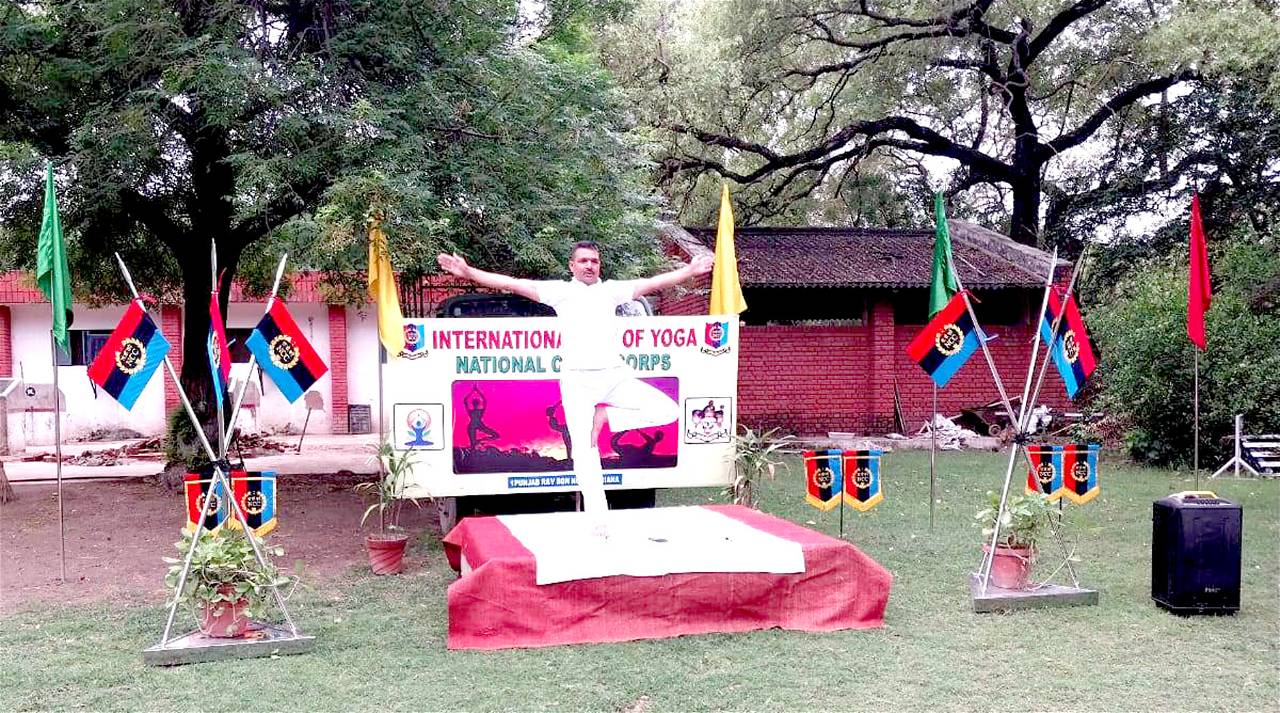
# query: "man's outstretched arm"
x,y
699,265
457,266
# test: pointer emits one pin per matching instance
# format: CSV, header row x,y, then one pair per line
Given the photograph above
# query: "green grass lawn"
x,y
381,640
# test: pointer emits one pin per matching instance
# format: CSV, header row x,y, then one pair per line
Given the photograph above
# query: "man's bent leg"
x,y
579,414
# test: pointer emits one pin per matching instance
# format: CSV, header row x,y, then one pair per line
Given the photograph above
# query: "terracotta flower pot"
x,y
1011,566
386,553
224,620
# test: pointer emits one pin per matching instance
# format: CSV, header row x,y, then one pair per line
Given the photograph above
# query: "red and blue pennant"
x,y
1044,473
130,357
1080,471
198,487
219,355
946,342
823,479
862,479
256,494
1071,350
284,353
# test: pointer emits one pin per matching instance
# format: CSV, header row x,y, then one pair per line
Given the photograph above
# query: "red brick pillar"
x,y
338,367
171,328
883,358
6,341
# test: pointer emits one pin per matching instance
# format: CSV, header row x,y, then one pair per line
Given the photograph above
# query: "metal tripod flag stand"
x,y
194,647
985,596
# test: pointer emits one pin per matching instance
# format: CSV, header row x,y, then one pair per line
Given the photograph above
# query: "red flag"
x,y
1199,293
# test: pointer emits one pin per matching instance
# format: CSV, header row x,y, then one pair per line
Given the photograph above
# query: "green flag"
x,y
51,264
943,285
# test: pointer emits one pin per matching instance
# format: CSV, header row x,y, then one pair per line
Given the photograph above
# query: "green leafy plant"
x,y
389,489
224,571
1023,522
756,455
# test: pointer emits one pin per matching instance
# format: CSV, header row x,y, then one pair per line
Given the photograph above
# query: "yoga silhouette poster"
x,y
510,426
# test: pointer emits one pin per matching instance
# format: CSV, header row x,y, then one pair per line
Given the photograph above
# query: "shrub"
x,y
1146,377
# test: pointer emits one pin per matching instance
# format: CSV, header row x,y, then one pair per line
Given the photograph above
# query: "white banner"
x,y
478,403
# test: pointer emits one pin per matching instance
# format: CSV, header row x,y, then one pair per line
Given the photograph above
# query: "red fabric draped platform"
x,y
497,605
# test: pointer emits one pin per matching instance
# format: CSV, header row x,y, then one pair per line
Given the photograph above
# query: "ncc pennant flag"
x,y
862,479
198,486
946,342
284,353
131,355
219,357
1080,472
1044,474
823,479
1071,349
256,494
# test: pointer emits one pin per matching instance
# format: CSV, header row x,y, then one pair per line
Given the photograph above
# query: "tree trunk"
x,y
1024,226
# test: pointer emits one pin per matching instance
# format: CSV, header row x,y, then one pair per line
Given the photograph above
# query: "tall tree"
x,y
261,123
996,95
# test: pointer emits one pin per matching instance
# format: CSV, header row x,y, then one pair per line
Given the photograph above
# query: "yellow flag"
x,y
726,293
382,290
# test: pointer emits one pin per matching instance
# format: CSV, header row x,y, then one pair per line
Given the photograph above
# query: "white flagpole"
x,y
1196,408
57,454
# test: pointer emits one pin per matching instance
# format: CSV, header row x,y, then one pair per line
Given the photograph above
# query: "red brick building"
x,y
831,311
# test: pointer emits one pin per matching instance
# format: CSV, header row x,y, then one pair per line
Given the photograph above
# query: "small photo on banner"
x,y
862,479
197,487
256,494
1080,471
1044,475
823,479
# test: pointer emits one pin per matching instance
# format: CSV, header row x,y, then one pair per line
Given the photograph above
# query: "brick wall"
x,y
171,328
338,367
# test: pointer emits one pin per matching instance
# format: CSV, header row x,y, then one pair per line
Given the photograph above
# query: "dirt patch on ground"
x,y
117,531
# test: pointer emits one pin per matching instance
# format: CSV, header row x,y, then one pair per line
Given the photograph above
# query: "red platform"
x,y
497,604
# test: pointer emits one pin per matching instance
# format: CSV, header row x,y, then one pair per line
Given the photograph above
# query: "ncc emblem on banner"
x,y
415,341
824,479
1044,475
862,479
715,337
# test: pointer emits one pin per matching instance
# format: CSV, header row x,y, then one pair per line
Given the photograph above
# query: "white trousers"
x,y
630,403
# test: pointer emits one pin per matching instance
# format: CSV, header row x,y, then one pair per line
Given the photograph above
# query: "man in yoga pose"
x,y
595,384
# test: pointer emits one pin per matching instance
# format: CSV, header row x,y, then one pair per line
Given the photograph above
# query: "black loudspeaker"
x,y
1195,554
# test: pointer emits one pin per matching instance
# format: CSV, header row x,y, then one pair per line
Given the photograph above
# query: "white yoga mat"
x,y
649,542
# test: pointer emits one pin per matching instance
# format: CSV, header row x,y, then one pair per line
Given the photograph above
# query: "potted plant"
x,y
756,455
386,547
1021,525
225,585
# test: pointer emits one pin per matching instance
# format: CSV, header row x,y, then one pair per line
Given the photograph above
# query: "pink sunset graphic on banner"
x,y
518,426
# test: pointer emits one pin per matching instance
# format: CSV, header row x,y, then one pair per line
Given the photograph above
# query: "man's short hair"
x,y
584,245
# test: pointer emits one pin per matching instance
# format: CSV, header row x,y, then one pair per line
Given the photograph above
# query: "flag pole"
x,y
1195,458
933,454
253,362
57,454
217,393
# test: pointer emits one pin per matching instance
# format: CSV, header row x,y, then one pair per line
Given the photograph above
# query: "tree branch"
x,y
1115,104
1058,24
